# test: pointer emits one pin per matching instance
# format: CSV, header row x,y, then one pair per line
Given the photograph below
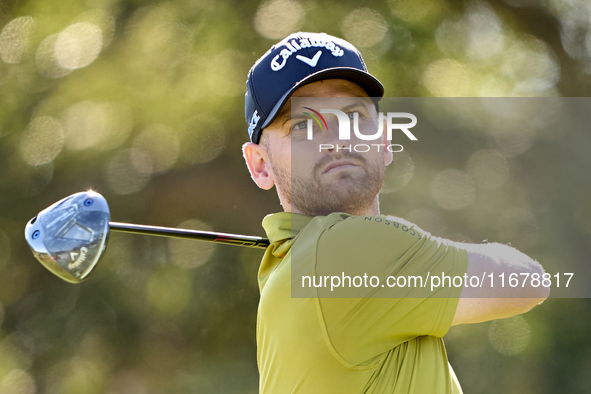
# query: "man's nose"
x,y
333,134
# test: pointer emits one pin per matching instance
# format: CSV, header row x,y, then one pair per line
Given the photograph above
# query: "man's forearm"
x,y
496,298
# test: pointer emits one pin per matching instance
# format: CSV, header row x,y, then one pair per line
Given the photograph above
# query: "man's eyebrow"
x,y
360,102
284,119
286,115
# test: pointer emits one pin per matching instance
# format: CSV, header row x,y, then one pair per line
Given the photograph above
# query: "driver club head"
x,y
69,237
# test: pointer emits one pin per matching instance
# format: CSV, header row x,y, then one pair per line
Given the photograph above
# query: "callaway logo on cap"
x,y
297,60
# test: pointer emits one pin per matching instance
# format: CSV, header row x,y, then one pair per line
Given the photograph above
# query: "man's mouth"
x,y
339,165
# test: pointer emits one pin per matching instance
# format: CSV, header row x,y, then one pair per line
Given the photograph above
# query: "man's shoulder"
x,y
342,228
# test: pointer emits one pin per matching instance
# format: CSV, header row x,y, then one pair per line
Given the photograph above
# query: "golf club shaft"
x,y
231,239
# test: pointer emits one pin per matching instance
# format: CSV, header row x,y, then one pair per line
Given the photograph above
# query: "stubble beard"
x,y
349,191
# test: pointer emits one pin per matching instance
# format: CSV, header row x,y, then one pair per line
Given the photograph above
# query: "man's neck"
x,y
371,210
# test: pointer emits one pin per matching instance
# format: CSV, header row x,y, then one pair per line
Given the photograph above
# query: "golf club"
x,y
70,236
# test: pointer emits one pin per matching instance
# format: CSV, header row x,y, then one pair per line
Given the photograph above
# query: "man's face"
x,y
318,181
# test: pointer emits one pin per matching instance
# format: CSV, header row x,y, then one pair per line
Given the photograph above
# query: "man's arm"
x,y
496,302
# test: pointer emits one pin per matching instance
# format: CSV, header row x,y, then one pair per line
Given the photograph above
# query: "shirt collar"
x,y
280,228
284,225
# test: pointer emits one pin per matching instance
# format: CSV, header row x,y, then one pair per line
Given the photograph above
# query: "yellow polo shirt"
x,y
364,341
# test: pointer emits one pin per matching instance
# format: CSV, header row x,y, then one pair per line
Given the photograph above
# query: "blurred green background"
x,y
143,102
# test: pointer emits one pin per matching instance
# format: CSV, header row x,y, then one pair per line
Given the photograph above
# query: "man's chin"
x,y
349,190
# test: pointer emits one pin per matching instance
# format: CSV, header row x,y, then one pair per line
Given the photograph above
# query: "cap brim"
x,y
365,80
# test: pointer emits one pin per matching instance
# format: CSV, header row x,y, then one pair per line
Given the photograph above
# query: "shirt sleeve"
x,y
391,297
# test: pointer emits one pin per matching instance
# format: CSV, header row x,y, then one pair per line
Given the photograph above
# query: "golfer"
x,y
368,340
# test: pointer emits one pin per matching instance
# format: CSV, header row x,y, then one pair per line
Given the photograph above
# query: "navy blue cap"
x,y
297,60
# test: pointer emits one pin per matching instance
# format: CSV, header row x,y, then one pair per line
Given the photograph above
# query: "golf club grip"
x,y
171,232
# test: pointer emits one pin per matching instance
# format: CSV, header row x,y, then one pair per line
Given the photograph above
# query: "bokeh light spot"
x,y
78,45
15,39
102,19
448,78
485,37
189,254
450,36
130,274
42,141
278,18
203,139
453,189
18,381
572,37
531,64
488,168
122,176
224,79
364,27
103,125
512,137
76,375
509,336
398,173
13,355
168,44
159,38
412,10
588,43
46,61
155,150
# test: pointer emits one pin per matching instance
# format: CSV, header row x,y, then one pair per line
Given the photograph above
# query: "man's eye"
x,y
351,115
300,125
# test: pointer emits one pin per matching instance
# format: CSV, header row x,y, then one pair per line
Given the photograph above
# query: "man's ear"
x,y
258,165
